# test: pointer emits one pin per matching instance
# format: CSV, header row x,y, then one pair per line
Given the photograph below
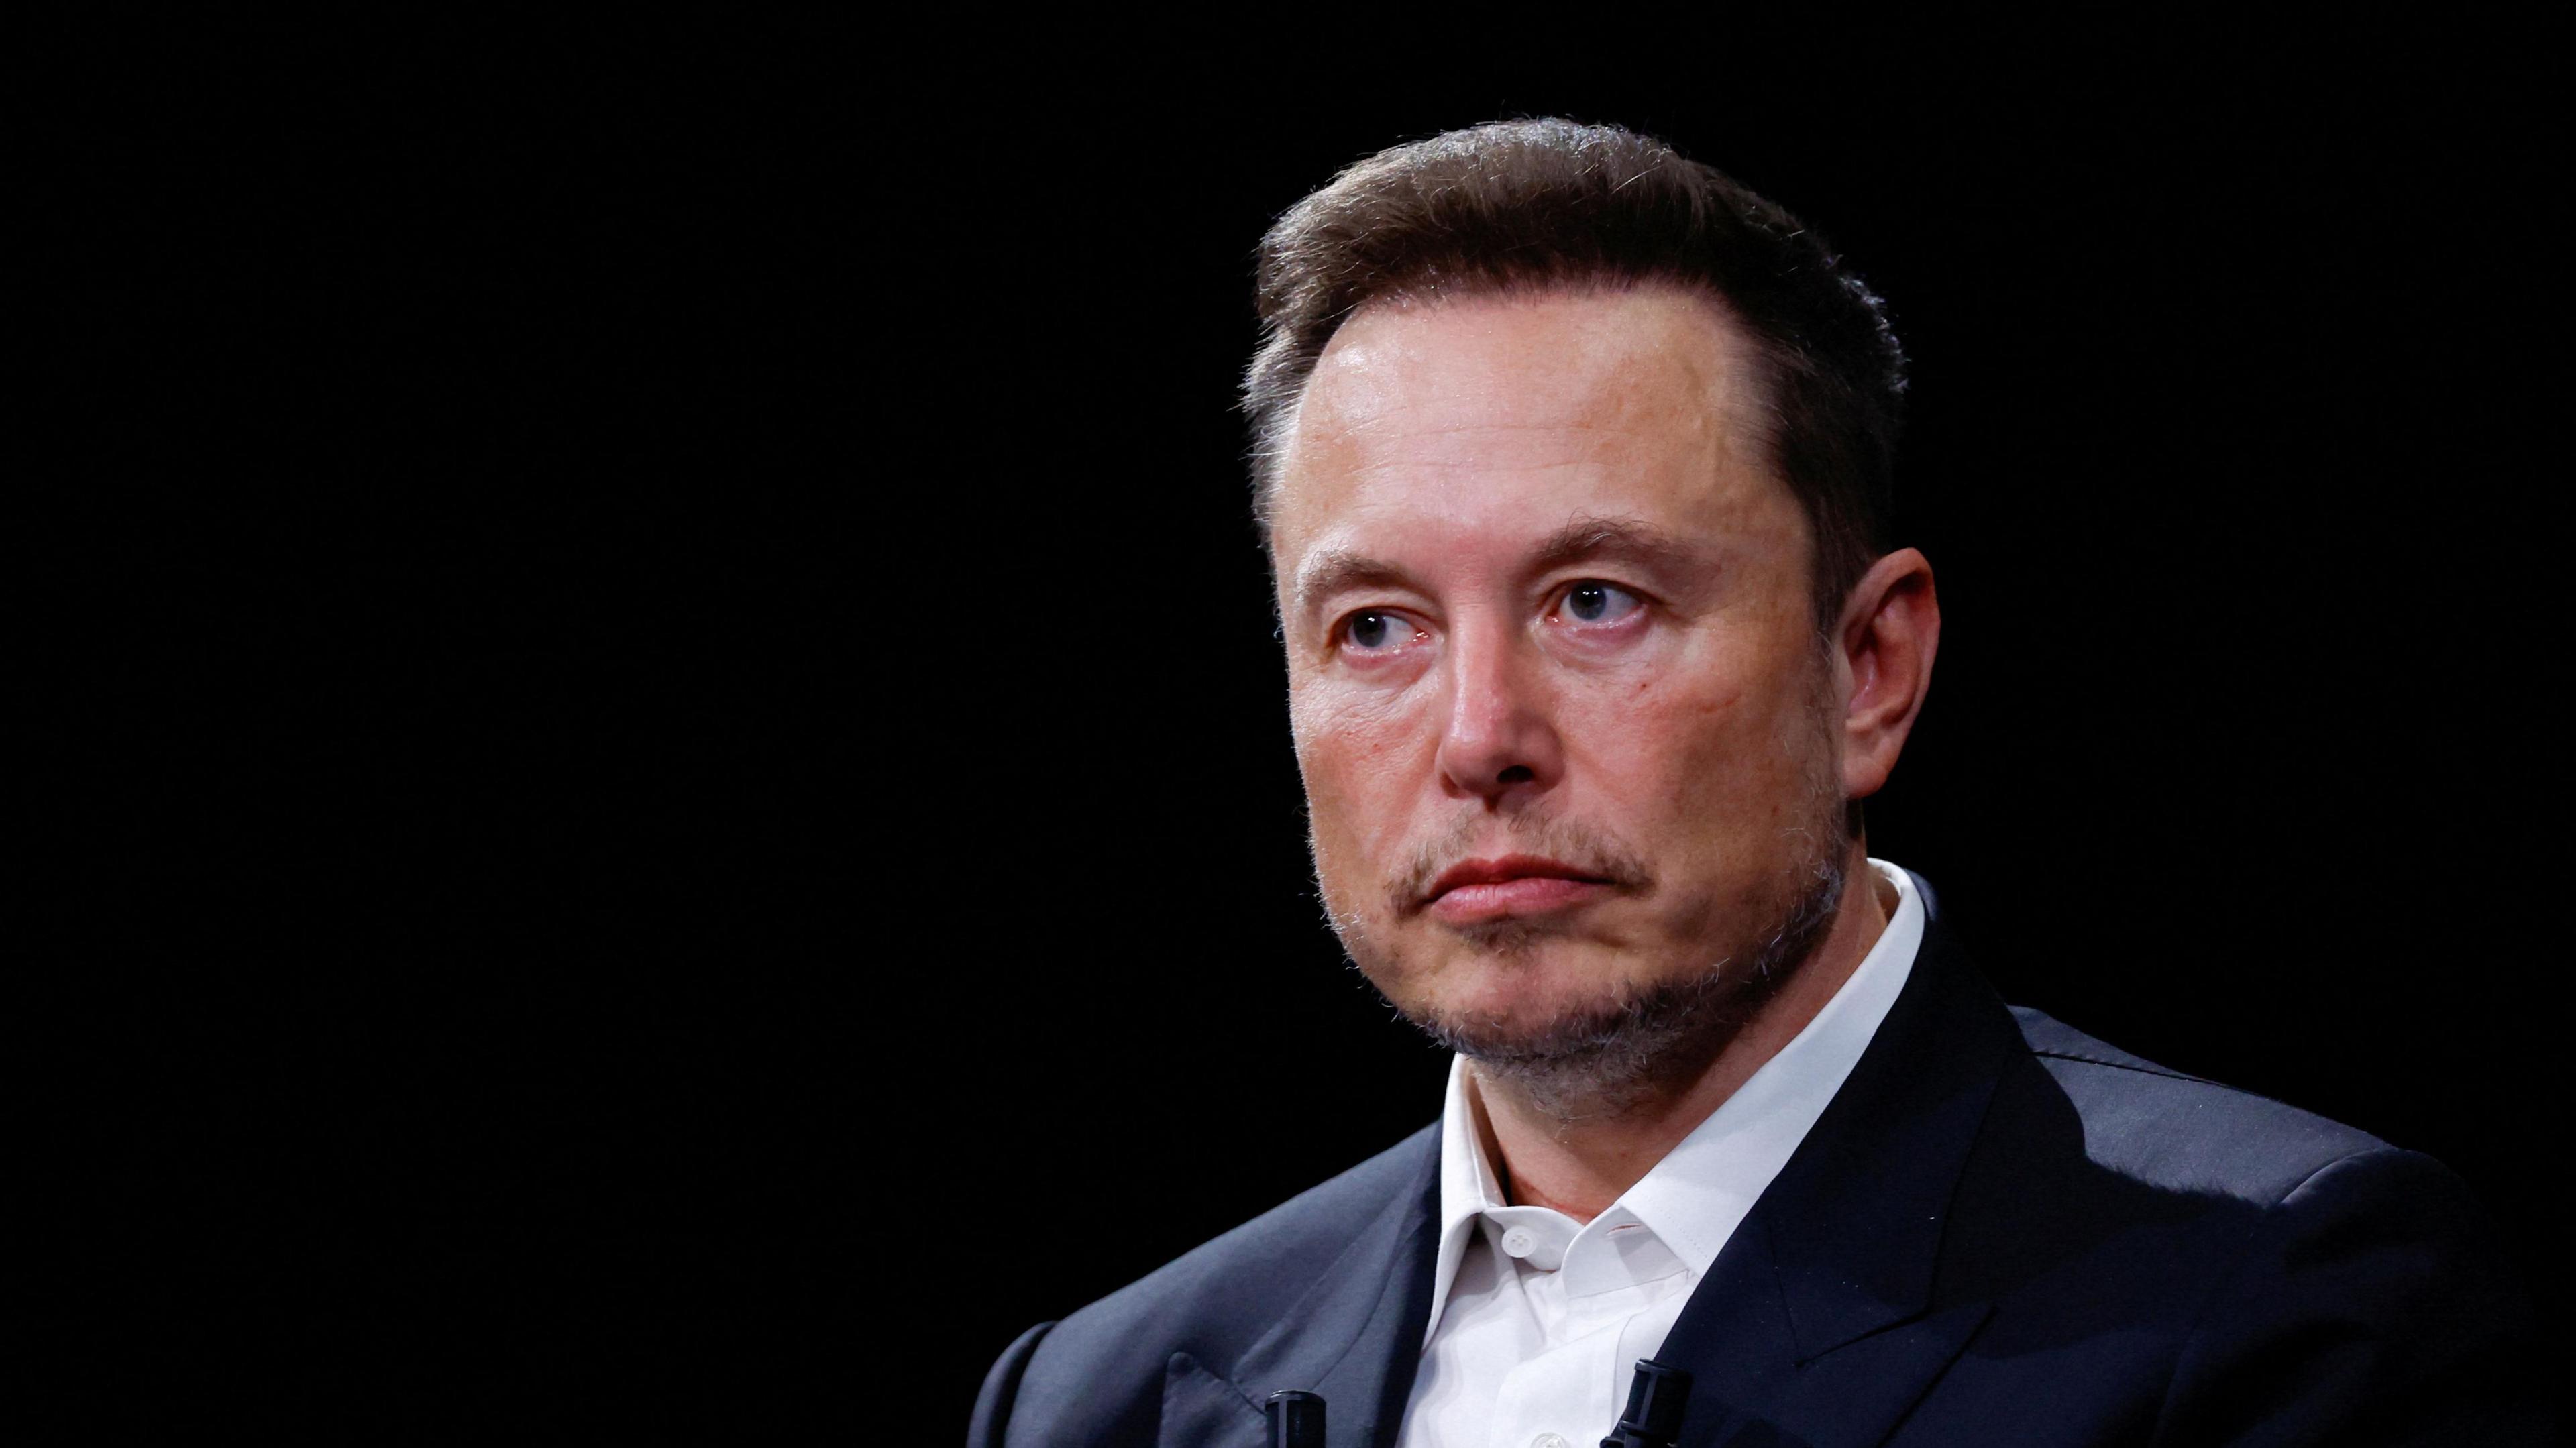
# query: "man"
x,y
1573,460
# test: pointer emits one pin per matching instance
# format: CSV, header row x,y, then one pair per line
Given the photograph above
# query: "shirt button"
x,y
1520,1241
1549,1440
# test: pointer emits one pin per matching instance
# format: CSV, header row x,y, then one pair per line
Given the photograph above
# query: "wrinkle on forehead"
x,y
1615,380
1615,356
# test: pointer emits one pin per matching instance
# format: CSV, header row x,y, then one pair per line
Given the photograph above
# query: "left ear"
x,y
1890,628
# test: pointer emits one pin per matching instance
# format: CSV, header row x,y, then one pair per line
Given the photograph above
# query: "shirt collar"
x,y
1695,1197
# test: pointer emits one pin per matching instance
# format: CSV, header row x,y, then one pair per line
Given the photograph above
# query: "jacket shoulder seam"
x,y
2224,1280
2142,1068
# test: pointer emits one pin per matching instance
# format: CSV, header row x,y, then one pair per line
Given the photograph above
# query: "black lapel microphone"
x,y
1296,1419
1656,1397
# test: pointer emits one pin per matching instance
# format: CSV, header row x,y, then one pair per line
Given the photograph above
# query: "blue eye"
x,y
1592,601
1375,629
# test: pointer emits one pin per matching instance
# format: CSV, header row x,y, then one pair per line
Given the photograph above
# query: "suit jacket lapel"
x,y
1812,1325
1355,1338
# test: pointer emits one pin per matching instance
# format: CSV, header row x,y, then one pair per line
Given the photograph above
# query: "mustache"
x,y
1590,851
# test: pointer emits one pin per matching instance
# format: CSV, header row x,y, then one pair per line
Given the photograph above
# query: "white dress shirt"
x,y
1537,1321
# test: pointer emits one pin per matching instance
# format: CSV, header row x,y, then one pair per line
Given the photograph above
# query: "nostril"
x,y
1517,774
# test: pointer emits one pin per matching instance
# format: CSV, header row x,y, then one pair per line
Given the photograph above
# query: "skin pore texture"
x,y
1577,756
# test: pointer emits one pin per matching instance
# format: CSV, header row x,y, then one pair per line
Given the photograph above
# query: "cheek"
x,y
1656,741
1361,754
1694,759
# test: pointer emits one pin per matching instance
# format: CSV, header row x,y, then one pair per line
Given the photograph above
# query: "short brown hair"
x,y
1537,205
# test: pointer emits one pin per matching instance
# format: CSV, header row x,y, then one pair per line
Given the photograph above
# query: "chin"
x,y
1532,983
1579,1043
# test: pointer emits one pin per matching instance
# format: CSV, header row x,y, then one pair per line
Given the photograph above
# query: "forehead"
x,y
1516,411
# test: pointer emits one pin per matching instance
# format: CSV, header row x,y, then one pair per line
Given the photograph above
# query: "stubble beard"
x,y
1608,1058
1648,1041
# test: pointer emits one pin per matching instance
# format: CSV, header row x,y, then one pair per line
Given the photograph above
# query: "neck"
x,y
1580,1167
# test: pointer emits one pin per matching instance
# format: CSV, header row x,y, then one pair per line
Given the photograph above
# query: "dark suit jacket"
x,y
2000,1232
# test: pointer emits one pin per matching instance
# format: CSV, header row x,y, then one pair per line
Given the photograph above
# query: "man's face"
x,y
1566,729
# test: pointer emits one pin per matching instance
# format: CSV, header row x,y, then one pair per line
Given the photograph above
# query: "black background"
x,y
680,810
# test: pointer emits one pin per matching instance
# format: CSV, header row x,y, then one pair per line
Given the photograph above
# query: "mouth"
x,y
1515,885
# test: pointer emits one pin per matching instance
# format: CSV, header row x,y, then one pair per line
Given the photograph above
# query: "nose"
x,y
1497,739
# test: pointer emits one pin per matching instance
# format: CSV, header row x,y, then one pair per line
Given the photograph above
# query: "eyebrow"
x,y
1628,540
1584,539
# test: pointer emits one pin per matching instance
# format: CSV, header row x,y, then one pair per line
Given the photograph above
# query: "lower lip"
x,y
1528,895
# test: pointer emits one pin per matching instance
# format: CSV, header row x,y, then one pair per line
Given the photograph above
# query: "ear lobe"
x,y
1890,630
